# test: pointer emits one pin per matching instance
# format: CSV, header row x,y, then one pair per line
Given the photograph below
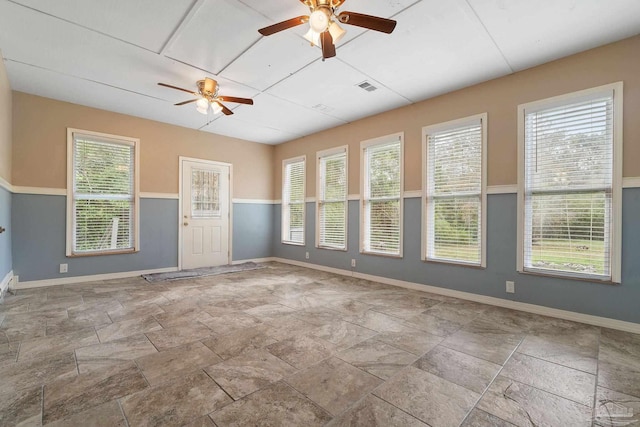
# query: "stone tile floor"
x,y
289,346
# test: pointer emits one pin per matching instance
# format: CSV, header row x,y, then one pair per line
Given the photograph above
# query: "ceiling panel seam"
x,y
84,79
490,36
82,26
293,73
183,23
238,56
307,108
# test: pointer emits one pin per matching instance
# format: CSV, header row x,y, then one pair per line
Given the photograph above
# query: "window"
x,y
205,193
455,198
331,204
102,193
570,153
381,216
293,193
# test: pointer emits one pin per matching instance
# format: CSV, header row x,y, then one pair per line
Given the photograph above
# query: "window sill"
x,y
382,254
558,275
102,253
329,248
284,242
454,263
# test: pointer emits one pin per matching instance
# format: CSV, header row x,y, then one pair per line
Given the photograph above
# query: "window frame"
x,y
319,156
364,145
427,223
70,222
615,231
285,202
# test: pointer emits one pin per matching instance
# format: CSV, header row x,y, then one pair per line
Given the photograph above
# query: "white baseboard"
x,y
91,278
514,305
4,285
256,260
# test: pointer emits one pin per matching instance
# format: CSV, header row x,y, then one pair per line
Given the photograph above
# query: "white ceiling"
x,y
111,55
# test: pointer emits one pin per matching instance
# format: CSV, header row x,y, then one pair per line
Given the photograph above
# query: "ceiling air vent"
x,y
323,108
367,86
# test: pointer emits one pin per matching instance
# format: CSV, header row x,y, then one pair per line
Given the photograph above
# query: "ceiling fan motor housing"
x,y
208,88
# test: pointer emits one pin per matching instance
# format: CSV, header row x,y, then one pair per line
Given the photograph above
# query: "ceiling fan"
x,y
323,20
208,96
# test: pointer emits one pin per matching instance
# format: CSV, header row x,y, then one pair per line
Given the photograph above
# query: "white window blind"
x,y
569,187
104,195
332,199
454,192
382,203
293,194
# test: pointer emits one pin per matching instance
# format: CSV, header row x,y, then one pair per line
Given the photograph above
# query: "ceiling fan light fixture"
x,y
336,31
216,107
319,21
202,105
313,37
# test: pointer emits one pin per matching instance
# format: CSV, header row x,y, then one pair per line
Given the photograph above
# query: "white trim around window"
x,y
588,185
376,237
332,185
293,201
115,239
464,141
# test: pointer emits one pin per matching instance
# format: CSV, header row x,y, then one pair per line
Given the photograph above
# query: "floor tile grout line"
x,y
475,406
220,386
284,380
372,393
548,392
558,364
75,359
135,362
124,415
42,404
594,410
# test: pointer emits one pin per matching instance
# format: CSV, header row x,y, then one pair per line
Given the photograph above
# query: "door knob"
x,y
2,230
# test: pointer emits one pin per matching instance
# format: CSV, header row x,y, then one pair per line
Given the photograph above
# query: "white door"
x,y
205,214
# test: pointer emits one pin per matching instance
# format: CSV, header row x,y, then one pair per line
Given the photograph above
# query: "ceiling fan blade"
x,y
225,110
367,21
236,100
328,48
284,25
177,88
186,102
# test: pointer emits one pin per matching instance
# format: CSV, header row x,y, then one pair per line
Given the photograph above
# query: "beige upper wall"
x,y
499,98
5,124
40,146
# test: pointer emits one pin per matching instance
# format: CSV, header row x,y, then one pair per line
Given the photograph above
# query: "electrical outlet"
x,y
353,263
306,255
64,268
511,287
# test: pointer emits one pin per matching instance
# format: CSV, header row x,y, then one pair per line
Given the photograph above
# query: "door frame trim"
x,y
181,160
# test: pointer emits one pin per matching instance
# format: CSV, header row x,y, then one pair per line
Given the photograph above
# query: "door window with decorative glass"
x,y
205,193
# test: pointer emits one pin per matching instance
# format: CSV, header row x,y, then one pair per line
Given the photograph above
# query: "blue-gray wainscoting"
x,y
252,231
5,238
606,300
39,240
39,224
